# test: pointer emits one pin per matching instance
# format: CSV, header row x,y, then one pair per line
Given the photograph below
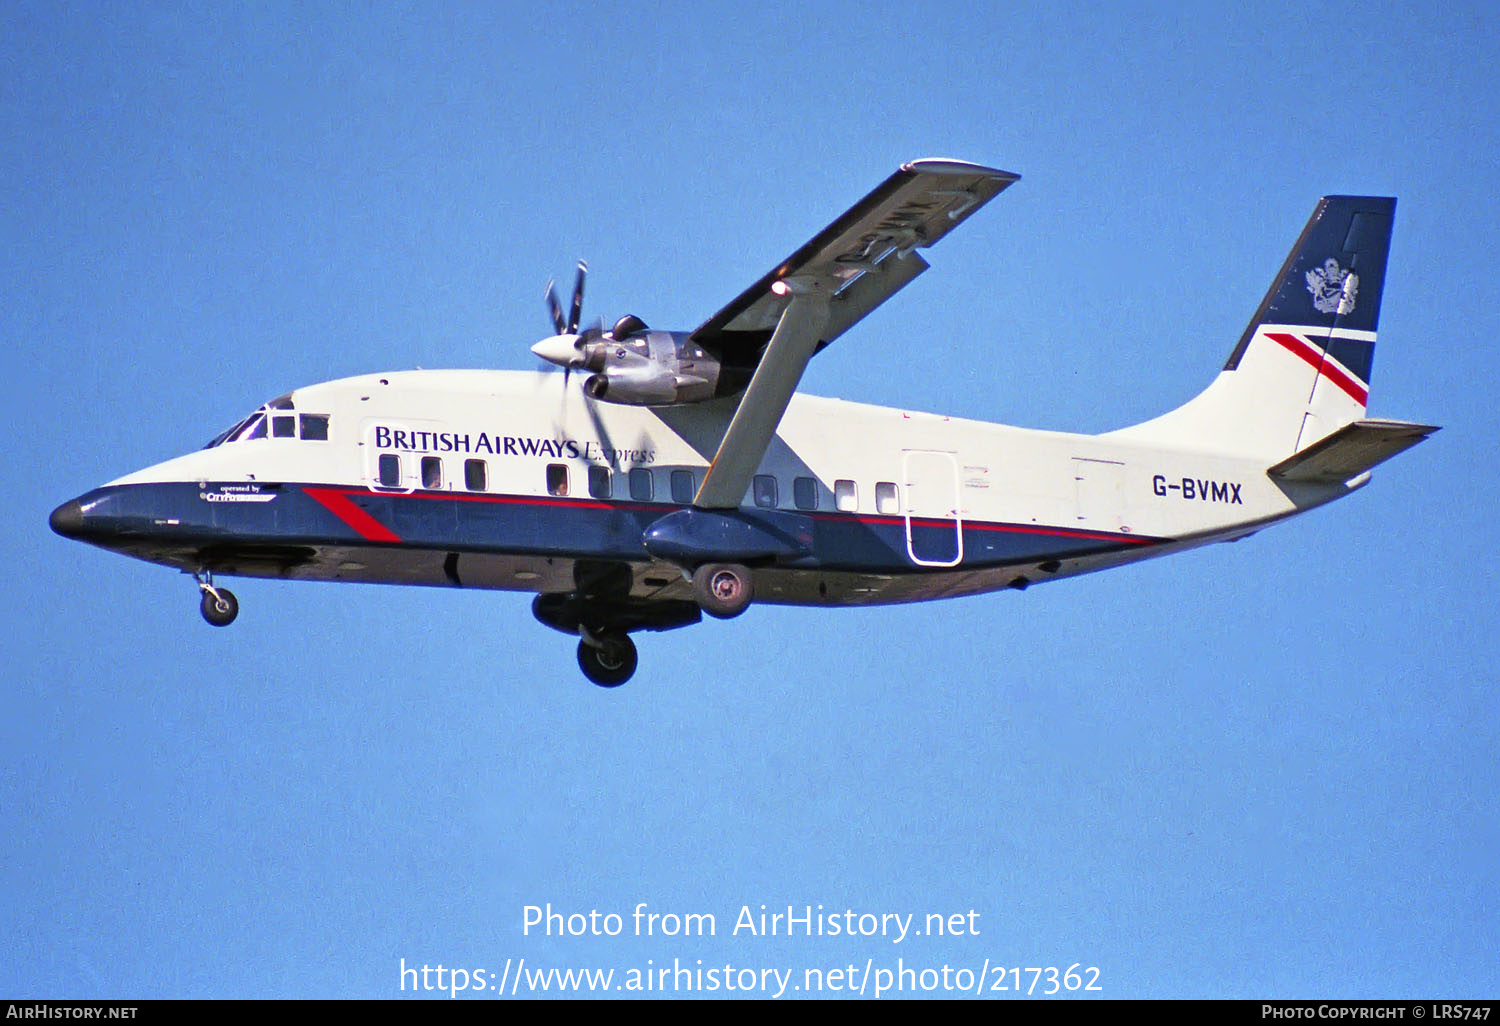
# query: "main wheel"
x,y
723,590
221,609
610,663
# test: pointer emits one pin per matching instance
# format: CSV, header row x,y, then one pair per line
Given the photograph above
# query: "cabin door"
x,y
934,529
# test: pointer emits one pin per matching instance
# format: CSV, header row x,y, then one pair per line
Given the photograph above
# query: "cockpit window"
x,y
255,427
311,427
225,436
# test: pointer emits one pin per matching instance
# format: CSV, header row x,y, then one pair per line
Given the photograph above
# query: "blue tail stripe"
x,y
1355,354
1346,237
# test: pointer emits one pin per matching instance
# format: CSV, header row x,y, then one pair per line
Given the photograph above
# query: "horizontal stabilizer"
x,y
1350,451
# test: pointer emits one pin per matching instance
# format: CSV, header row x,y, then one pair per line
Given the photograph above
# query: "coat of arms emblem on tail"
x,y
1333,288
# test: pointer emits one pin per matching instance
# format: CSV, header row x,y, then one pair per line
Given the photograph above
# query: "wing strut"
x,y
792,344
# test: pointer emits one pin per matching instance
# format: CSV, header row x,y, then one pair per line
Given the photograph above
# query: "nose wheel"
x,y
218,605
608,660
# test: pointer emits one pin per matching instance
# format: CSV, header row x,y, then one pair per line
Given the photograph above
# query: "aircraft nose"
x,y
67,519
558,349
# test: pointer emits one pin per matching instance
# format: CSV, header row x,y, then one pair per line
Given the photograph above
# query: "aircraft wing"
x,y
820,291
861,259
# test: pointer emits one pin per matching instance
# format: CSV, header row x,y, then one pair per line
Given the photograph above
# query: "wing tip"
x,y
949,166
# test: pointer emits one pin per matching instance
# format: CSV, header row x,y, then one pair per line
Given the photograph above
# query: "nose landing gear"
x,y
218,606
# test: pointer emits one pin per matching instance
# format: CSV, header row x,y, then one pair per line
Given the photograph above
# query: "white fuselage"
x,y
1002,506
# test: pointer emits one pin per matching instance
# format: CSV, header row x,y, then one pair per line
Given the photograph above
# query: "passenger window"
x,y
640,484
886,498
390,470
284,427
314,427
599,482
557,479
846,496
432,472
476,475
805,493
765,491
682,486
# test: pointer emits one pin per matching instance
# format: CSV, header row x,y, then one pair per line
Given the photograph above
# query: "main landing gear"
x,y
608,659
219,606
601,611
723,590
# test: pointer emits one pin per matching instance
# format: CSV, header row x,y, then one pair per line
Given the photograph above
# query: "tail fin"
x,y
1302,368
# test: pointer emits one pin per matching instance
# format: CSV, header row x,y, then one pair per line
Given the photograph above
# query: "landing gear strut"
x,y
607,659
219,606
723,590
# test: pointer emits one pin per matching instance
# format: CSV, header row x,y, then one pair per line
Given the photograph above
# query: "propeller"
x,y
569,326
569,348
564,347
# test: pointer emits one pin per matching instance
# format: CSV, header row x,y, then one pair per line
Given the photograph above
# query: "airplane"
x,y
685,475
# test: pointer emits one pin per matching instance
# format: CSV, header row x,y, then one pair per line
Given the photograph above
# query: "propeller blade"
x,y
577,311
597,420
555,309
593,333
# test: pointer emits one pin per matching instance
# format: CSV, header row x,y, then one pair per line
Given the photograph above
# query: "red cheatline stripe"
x,y
1298,347
341,506
985,525
1063,532
337,501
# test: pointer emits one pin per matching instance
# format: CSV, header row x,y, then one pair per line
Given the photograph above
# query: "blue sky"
x,y
1265,769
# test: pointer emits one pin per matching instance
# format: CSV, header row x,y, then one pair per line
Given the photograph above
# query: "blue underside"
x,y
173,522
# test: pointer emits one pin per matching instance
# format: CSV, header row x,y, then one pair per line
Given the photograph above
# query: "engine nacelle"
x,y
650,368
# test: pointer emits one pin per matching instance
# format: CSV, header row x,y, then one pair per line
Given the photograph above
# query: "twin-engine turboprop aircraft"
x,y
683,475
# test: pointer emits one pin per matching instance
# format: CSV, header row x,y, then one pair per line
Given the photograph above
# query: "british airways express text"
x,y
484,443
